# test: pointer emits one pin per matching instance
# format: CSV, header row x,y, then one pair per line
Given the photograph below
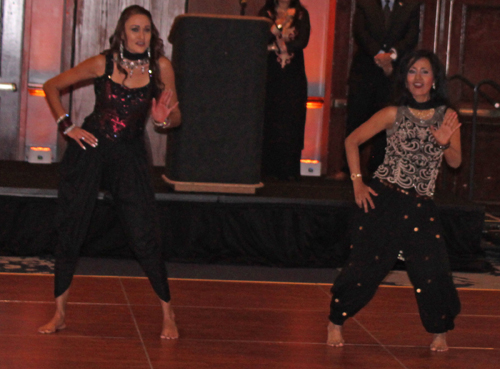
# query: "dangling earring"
x,y
121,51
434,85
149,52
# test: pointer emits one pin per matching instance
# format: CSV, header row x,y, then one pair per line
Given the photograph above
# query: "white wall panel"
x,y
315,60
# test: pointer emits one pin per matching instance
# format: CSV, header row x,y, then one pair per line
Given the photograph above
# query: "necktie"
x,y
387,13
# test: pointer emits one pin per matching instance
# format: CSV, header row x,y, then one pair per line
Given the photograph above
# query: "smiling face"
x,y
137,37
419,80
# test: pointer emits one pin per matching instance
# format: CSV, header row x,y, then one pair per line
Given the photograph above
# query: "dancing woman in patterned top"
x,y
131,79
397,217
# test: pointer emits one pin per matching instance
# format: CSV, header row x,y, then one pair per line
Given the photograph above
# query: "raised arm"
x,y
448,135
165,111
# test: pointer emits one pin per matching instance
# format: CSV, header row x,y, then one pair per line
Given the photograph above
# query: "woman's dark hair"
x,y
439,93
271,7
156,44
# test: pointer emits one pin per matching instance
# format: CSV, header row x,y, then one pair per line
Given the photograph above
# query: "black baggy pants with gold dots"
x,y
399,223
122,169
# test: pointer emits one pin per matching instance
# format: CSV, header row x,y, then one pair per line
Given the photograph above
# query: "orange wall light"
x,y
36,92
36,89
315,102
309,161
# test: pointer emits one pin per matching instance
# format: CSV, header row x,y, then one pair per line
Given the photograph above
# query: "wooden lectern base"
x,y
211,187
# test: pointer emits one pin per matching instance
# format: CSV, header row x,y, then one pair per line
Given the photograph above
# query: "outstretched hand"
x,y
161,110
448,127
362,195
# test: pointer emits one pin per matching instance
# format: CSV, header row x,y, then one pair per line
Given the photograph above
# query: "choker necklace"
x,y
133,56
131,61
426,105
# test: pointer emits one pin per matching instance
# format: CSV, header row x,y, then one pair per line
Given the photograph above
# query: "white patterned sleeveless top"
x,y
412,156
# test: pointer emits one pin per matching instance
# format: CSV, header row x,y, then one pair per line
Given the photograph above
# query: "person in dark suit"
x,y
384,31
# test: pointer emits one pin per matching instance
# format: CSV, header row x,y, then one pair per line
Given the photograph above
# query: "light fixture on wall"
x,y
8,87
315,102
309,164
36,89
309,167
39,155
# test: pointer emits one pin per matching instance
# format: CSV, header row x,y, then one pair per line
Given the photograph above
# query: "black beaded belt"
x,y
403,191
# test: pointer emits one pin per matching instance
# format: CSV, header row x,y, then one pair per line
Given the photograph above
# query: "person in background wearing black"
x,y
286,93
384,32
397,217
131,79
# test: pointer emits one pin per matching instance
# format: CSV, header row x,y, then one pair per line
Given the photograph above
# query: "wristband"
x,y
61,118
165,124
444,147
65,125
69,129
355,175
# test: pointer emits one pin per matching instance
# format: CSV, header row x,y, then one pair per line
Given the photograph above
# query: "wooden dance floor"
x,y
114,322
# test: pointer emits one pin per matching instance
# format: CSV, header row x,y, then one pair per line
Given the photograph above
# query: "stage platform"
x,y
286,224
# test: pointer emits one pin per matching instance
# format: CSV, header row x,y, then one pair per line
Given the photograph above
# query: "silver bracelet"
x,y
444,147
69,129
61,118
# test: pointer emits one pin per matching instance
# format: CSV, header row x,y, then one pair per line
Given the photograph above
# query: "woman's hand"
x,y
272,47
448,127
362,195
160,110
81,136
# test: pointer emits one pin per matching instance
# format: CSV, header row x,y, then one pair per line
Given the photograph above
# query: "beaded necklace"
x,y
130,61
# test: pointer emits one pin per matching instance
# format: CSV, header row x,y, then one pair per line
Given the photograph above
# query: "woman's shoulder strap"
x,y
109,64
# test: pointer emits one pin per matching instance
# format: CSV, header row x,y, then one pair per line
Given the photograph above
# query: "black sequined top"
x,y
120,112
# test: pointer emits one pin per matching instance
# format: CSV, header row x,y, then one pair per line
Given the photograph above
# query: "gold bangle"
x,y
165,124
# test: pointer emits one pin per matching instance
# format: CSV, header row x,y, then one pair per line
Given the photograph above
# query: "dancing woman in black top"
x,y
131,79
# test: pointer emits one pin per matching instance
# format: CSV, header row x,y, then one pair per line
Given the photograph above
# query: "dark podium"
x,y
220,70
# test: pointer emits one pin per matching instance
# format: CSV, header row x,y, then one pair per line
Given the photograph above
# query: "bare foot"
x,y
55,324
335,335
439,343
169,330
